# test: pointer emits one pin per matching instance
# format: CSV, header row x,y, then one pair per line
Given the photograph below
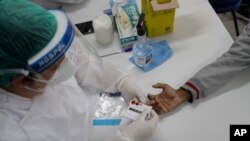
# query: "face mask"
x,y
66,70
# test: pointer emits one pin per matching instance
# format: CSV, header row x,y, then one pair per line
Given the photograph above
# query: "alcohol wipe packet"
x,y
161,52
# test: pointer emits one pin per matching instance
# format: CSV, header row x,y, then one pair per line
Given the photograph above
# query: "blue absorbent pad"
x,y
106,122
161,52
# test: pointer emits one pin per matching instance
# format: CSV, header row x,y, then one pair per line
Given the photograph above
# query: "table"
x,y
198,39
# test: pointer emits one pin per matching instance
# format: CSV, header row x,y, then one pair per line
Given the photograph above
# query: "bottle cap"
x,y
139,26
140,30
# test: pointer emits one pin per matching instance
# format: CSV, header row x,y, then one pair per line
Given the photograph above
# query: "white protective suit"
x,y
94,77
60,114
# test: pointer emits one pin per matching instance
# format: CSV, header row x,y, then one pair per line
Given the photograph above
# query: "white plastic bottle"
x,y
142,49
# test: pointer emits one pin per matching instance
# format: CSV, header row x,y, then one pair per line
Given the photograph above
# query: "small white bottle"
x,y
142,50
103,28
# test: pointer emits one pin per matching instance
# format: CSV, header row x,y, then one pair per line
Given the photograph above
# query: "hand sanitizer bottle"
x,y
142,49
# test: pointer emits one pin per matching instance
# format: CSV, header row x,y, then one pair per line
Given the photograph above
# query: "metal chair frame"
x,y
223,6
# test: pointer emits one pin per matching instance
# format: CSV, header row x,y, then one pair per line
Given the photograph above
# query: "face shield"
x,y
45,63
65,55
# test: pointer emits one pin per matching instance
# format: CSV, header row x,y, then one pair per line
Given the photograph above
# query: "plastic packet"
x,y
109,106
106,112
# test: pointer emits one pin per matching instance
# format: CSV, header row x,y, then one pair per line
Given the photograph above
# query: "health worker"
x,y
37,56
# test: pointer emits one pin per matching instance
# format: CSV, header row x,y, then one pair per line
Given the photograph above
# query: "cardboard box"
x,y
126,18
126,15
159,16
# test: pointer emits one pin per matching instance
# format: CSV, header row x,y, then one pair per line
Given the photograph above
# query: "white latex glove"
x,y
129,90
141,129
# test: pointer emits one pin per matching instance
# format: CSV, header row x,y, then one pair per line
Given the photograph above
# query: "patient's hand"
x,y
168,99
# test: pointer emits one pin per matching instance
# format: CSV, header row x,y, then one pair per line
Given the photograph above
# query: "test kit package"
x,y
126,15
134,110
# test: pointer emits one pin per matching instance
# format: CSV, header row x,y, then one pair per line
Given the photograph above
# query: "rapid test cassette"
x,y
134,110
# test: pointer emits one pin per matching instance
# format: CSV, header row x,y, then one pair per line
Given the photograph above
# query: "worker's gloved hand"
x,y
141,129
130,90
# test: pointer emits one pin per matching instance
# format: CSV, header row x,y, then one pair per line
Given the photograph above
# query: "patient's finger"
x,y
150,102
159,85
151,97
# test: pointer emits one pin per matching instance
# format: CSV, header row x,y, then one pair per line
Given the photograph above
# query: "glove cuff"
x,y
123,136
121,82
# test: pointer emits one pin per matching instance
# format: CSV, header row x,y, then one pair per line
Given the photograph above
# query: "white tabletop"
x,y
199,38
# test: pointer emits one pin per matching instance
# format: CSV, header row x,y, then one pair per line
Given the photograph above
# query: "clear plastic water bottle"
x,y
142,53
142,49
